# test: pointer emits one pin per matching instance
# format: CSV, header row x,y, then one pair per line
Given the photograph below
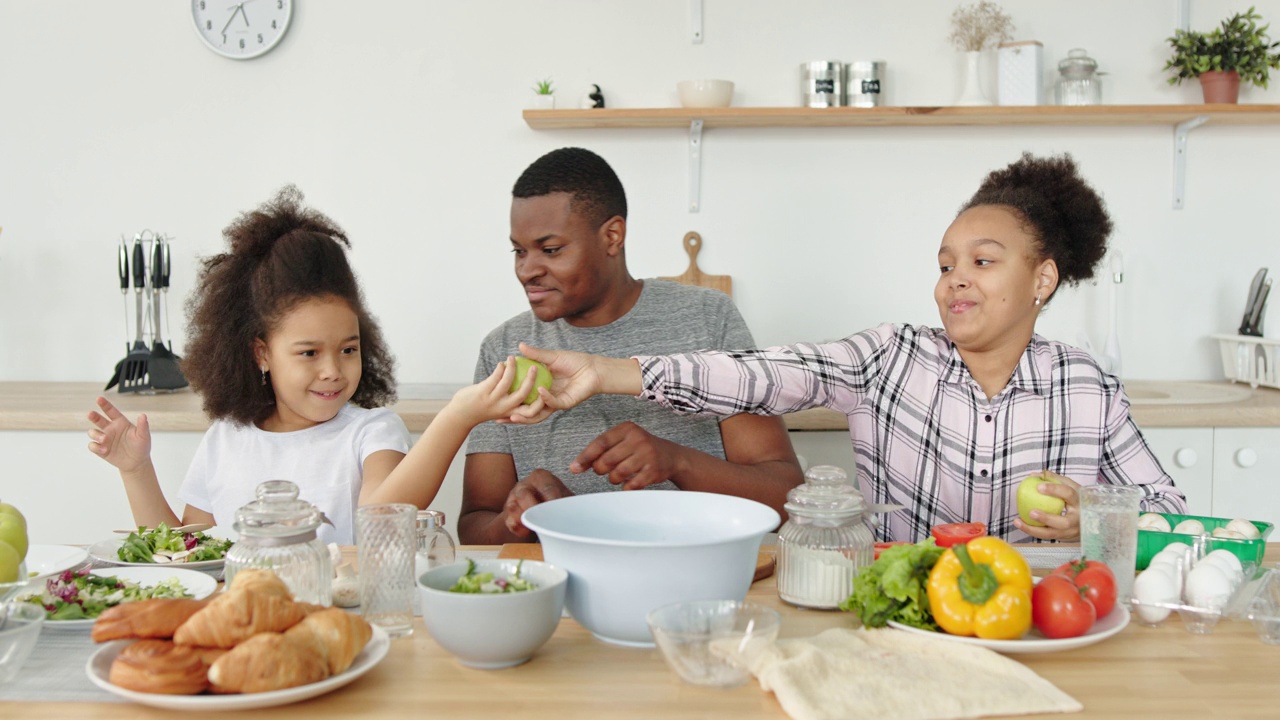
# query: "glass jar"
x,y
435,548
826,540
278,532
1079,82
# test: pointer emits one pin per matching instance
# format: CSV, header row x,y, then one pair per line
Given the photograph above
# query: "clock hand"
x,y
224,27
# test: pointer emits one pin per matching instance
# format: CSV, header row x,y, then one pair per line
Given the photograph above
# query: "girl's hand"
x,y
118,441
1057,527
493,399
575,376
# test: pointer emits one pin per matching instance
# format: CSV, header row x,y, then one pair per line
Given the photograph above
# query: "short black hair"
x,y
1065,214
595,191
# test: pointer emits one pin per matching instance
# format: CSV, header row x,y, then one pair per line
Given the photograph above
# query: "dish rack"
x,y
1248,359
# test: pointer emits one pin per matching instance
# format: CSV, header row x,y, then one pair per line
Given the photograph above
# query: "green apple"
x,y
13,529
522,371
9,562
1030,498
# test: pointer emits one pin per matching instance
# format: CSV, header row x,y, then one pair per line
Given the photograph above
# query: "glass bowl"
x,y
21,623
696,638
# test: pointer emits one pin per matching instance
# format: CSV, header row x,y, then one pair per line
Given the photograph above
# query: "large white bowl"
x,y
491,631
705,93
628,553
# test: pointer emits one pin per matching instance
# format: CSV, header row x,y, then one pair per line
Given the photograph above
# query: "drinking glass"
x,y
386,545
1109,531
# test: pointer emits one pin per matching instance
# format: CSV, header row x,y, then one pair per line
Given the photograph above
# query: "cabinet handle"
x,y
1185,457
1246,458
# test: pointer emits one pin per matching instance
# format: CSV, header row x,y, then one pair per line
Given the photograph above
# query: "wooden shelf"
x,y
1111,115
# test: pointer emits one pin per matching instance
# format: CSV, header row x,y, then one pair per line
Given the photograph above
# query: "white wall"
x,y
402,121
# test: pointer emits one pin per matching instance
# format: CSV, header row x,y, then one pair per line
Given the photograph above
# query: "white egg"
x,y
1228,561
1154,522
1207,587
1190,527
1154,585
1173,552
1245,528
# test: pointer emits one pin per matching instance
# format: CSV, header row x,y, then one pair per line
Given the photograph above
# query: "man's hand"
x,y
1056,527
539,487
630,457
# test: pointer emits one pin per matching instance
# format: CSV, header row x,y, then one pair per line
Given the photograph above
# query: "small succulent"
x,y
544,87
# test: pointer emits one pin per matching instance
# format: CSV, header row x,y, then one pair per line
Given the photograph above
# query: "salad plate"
x,y
1033,641
99,668
46,560
199,585
107,551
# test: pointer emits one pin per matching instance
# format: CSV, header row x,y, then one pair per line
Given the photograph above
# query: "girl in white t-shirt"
x,y
294,373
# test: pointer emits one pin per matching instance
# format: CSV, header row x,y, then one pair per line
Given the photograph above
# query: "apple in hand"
x,y
522,371
1030,498
13,529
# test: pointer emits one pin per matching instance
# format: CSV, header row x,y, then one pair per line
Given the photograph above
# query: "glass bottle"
x,y
825,541
278,532
1079,82
435,548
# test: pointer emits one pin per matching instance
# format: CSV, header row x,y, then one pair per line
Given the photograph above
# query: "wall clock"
x,y
244,29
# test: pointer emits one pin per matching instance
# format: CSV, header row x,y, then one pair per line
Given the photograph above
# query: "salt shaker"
x,y
435,548
278,532
825,541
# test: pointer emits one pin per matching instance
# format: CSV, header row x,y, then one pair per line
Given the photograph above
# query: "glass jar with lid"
x,y
278,532
825,541
1079,82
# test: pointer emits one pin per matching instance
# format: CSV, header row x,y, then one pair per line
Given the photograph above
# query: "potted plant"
x,y
975,28
544,95
1237,50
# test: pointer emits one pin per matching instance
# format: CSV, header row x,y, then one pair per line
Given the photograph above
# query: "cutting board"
x,y
533,551
694,275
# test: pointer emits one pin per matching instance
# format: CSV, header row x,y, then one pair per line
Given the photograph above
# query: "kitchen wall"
x,y
402,121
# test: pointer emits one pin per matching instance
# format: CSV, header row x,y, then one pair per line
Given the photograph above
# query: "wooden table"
x,y
1164,672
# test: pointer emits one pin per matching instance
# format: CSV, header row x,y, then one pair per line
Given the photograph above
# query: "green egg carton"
x,y
1250,552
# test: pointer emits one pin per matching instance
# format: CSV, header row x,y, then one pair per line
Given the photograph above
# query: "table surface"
x,y
1163,672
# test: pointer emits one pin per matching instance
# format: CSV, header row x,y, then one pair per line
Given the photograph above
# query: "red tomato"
x,y
882,545
1059,608
956,533
1097,581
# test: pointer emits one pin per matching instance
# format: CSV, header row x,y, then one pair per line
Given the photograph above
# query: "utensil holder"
x,y
1248,359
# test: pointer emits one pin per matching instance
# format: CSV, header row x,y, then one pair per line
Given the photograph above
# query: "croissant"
x,y
159,666
155,618
266,661
236,616
334,634
261,581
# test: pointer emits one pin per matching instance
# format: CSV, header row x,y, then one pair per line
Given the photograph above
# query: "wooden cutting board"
x,y
694,275
533,551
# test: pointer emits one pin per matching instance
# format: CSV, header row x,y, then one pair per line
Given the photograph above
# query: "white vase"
x,y
544,102
971,93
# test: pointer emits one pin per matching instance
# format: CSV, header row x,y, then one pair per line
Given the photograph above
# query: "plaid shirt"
x,y
924,433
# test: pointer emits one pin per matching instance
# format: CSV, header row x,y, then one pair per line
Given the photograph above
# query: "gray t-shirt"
x,y
667,318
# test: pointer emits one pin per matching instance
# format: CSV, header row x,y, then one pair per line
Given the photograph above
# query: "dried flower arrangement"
x,y
978,26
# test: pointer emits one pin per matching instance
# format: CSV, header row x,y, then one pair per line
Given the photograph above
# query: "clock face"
x,y
244,29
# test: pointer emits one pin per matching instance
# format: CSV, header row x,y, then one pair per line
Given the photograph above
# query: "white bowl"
x,y
630,552
22,623
705,93
491,631
696,637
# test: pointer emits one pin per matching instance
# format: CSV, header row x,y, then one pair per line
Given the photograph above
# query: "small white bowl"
x,y
492,631
695,636
22,623
705,93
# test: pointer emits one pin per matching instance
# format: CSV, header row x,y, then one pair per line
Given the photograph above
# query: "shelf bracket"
x,y
695,165
1180,158
695,21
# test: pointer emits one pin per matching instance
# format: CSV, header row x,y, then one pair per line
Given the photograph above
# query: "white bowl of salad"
x,y
492,614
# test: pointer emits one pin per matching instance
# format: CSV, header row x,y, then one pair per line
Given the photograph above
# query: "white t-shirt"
x,y
326,462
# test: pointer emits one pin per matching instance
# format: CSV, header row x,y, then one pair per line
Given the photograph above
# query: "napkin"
x,y
845,674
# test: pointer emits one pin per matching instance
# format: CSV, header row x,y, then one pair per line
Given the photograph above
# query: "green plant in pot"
x,y
1237,50
544,95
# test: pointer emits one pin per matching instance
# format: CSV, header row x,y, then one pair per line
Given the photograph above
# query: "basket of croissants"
x,y
252,638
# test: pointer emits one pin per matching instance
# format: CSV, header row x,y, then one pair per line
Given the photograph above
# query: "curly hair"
x,y
1066,217
281,254
595,191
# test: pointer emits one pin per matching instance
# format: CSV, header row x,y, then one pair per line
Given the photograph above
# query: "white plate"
x,y
99,667
1033,641
105,551
198,584
48,560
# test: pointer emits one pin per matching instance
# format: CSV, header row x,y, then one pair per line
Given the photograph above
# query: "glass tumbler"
x,y
1109,531
386,545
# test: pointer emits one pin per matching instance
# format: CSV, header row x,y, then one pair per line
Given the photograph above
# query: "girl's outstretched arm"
x,y
417,478
128,447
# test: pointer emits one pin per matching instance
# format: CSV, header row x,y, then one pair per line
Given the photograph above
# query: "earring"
x,y
1037,298
264,370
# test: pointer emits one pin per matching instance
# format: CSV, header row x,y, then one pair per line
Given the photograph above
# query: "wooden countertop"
x,y
64,405
1164,672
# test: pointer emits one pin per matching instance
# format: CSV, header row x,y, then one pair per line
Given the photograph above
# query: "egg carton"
x,y
1200,617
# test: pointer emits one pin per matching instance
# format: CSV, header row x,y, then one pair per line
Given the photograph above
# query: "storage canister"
x,y
864,83
821,83
1079,82
825,541
1020,77
278,532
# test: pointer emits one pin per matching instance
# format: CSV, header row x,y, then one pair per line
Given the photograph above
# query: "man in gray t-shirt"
x,y
568,234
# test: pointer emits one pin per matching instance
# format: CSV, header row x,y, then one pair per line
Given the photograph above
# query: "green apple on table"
x,y
13,542
1030,498
522,371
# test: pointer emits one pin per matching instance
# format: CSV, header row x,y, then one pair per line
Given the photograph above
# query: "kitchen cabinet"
x,y
1246,473
1187,455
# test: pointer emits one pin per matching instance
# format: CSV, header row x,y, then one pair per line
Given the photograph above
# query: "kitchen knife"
x,y
1255,288
1255,312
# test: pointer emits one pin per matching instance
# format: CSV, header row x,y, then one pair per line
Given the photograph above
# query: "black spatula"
x,y
163,365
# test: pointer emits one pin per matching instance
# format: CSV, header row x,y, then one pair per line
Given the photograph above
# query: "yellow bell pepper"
x,y
982,588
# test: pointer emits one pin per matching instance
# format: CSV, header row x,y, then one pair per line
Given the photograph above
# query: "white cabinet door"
x,y
1187,455
1246,474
